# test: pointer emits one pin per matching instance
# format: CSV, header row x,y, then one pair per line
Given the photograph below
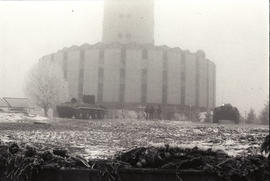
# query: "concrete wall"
x,y
73,72
111,75
190,96
91,72
154,79
202,82
58,58
211,84
173,76
133,76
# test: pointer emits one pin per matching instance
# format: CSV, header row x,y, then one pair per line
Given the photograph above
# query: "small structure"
x,y
17,104
3,105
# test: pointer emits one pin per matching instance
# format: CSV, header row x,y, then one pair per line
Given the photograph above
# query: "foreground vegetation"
x,y
21,162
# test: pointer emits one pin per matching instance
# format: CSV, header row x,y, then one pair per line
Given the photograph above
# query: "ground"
x,y
104,138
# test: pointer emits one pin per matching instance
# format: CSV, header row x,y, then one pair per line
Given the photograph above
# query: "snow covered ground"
x,y
20,117
104,138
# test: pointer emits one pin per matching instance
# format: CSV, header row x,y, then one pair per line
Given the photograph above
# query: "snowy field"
x,y
103,138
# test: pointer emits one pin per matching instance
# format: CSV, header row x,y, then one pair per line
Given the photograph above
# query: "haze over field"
x,y
233,34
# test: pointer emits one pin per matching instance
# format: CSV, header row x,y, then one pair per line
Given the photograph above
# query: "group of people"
x,y
153,112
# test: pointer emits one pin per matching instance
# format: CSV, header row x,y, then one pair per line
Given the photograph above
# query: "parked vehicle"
x,y
85,109
226,112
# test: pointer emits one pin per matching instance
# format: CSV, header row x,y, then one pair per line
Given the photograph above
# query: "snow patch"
x,y
20,117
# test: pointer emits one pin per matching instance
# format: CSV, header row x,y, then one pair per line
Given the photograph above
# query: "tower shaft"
x,y
128,21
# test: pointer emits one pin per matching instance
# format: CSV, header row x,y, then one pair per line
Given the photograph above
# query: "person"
x,y
151,112
147,111
159,112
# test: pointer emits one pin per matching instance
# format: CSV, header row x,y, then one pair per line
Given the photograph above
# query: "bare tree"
x,y
46,86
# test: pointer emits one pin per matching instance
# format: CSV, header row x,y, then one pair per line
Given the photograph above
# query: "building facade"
x,y
127,70
127,75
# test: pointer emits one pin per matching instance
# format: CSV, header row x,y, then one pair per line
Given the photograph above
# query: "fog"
x,y
233,34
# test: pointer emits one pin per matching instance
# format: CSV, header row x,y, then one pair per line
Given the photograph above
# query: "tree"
x,y
264,116
46,86
251,117
208,117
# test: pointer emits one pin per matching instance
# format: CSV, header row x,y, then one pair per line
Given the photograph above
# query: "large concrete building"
x,y
126,69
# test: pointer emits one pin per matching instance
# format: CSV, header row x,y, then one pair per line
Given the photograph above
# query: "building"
x,y
127,70
3,106
12,104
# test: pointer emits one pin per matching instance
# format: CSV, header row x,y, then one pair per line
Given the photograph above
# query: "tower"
x,y
128,21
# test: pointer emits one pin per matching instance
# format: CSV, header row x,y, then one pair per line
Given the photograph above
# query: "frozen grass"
x,y
103,138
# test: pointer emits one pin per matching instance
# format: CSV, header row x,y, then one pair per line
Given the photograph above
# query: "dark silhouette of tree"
x,y
264,116
251,117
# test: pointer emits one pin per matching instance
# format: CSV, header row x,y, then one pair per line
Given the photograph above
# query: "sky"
x,y
233,34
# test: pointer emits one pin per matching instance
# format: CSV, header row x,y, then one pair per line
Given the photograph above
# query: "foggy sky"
x,y
233,34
